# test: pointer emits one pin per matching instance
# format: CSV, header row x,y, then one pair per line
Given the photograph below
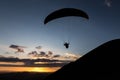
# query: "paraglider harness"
x,y
66,44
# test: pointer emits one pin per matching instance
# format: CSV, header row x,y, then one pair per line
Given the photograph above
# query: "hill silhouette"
x,y
23,76
102,63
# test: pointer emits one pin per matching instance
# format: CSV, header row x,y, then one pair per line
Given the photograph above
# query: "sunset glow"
x,y
28,69
11,63
43,69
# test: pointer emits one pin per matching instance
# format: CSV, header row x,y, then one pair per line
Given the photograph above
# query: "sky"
x,y
22,24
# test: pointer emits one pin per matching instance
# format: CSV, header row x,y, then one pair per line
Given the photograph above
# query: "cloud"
x,y
71,56
56,56
108,3
38,47
18,48
66,56
38,54
51,55
31,62
9,59
1,56
33,53
41,54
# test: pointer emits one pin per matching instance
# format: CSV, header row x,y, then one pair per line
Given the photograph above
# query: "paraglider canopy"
x,y
64,12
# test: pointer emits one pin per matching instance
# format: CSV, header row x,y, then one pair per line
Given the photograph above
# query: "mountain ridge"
x,y
100,63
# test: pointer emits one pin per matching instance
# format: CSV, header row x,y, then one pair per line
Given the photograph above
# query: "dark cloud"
x,y
41,54
50,53
33,53
9,59
18,48
56,56
38,47
37,54
31,62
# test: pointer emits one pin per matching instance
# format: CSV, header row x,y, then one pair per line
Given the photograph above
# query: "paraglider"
x,y
66,44
66,12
